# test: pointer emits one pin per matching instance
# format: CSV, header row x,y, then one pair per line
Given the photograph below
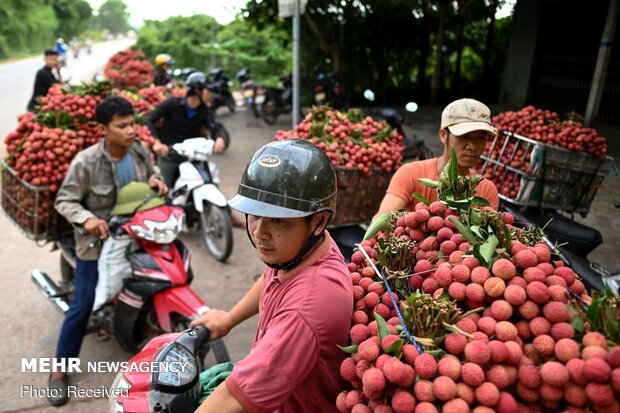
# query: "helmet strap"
x,y
311,242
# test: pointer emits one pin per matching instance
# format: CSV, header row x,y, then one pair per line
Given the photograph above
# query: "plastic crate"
x,y
30,208
359,196
531,173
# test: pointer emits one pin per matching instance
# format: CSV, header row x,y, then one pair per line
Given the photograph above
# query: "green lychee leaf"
x,y
349,349
395,348
381,326
463,230
479,201
487,249
577,323
421,198
428,182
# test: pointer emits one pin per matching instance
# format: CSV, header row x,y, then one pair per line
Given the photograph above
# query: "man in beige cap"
x,y
465,127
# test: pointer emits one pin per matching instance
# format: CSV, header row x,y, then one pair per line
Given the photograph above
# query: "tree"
x,y
113,16
26,26
74,17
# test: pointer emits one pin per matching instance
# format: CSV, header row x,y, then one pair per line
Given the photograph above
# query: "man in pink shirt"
x,y
304,297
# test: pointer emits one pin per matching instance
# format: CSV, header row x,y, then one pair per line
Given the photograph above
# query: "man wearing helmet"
x,y
304,296
85,199
163,63
183,117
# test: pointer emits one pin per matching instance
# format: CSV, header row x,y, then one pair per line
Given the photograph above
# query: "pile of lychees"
x,y
513,348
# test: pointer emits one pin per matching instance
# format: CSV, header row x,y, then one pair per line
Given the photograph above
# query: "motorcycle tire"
x,y
217,233
230,103
270,111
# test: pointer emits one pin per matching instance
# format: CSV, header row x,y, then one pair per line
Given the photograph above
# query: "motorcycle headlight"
x,y
178,369
119,386
160,232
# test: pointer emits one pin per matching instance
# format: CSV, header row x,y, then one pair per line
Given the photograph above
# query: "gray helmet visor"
x,y
263,209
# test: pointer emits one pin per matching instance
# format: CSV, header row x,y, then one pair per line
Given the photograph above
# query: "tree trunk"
x,y
331,49
488,51
436,84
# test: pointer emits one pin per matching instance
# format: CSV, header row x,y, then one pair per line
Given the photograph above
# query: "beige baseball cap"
x,y
467,115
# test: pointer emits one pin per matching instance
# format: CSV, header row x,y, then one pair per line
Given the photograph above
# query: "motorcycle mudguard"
x,y
209,193
180,300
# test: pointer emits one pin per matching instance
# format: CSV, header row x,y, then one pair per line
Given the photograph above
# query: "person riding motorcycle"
x,y
85,199
183,117
163,64
288,195
61,48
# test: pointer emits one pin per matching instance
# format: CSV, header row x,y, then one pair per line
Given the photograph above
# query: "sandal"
x,y
57,395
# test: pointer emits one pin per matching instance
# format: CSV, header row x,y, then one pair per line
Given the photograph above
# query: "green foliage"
x,y
26,27
197,40
114,17
75,16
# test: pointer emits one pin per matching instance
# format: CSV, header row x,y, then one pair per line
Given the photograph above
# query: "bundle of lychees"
x,y
487,323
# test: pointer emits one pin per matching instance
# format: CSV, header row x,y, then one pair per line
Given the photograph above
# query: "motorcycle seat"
x,y
580,238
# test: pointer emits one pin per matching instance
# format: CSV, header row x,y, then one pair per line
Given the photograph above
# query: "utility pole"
x,y
296,71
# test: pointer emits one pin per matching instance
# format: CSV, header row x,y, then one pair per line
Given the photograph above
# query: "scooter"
x,y
219,85
203,202
278,100
172,391
248,90
569,240
156,298
329,90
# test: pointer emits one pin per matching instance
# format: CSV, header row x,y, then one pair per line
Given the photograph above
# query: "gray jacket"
x,y
89,190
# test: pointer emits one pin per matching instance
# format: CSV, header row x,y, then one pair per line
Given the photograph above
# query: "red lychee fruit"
x,y
518,281
525,259
534,274
506,331
443,276
465,392
477,352
506,404
475,292
347,369
515,352
600,394
425,366
558,293
575,395
523,330
544,344
555,280
578,287
403,402
543,253
398,372
437,208
341,402
596,370
529,310
455,406
494,287
448,247
368,350
487,394
498,375
450,366
487,325
445,234
410,220
360,317
361,408
613,357
423,391
499,351
615,379
594,339
503,269
472,374
529,376
416,281
421,215
566,349
410,353
372,299
422,266
556,312
444,388
554,373
380,362
562,330
358,292
456,257
467,325
434,224
461,272
373,379
516,246
501,310
537,292
479,275
589,352
426,407
456,291
429,286
515,295
551,393
455,343
546,268
359,333
566,273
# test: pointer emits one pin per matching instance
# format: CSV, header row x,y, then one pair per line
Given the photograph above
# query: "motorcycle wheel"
x,y
269,110
217,231
230,103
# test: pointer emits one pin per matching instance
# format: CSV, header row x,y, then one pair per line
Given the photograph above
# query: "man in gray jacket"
x,y
85,199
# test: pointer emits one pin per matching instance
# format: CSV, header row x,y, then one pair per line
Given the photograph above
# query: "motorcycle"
x,y
219,85
156,298
569,240
250,91
179,391
278,100
204,202
329,90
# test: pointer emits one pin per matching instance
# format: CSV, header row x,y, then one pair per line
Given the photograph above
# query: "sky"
x,y
223,11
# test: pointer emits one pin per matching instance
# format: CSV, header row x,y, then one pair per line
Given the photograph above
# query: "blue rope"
x,y
392,295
